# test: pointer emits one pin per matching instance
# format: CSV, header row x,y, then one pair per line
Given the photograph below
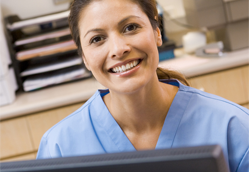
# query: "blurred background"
x,y
42,78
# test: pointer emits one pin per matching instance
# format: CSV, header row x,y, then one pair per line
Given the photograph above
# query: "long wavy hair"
x,y
149,7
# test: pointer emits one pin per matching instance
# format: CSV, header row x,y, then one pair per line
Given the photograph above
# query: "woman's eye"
x,y
96,39
131,27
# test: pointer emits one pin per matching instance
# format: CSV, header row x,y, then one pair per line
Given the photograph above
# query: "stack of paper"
x,y
54,65
46,50
42,37
37,20
56,77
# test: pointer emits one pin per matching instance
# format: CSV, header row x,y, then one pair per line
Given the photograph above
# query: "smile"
x,y
125,67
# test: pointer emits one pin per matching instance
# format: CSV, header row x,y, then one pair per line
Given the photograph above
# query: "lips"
x,y
125,66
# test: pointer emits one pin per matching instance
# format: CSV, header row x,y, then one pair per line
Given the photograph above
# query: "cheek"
x,y
146,42
95,58
149,45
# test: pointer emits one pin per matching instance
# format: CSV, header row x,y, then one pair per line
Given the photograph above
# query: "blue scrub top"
x,y
194,118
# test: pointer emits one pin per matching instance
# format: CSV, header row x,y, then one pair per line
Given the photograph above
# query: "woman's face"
x,y
119,44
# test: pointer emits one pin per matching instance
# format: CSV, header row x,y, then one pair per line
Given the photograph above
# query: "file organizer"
x,y
42,51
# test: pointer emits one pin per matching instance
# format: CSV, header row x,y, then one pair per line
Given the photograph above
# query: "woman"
x,y
118,42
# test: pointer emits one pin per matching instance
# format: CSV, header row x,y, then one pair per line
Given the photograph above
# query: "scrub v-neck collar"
x,y
166,138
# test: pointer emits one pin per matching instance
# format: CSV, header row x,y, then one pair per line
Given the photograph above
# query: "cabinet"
x,y
20,137
15,138
21,157
232,84
245,74
246,105
39,123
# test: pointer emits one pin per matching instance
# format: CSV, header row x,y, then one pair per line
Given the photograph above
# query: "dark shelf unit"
x,y
45,27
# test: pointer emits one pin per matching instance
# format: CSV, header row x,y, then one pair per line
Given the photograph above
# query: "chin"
x,y
130,87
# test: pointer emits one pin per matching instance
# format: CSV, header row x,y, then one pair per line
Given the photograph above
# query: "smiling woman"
x,y
144,107
147,6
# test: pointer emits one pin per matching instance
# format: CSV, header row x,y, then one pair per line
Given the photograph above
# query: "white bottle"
x,y
193,40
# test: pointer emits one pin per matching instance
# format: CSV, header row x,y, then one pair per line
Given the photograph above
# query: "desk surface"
x,y
49,98
192,66
80,91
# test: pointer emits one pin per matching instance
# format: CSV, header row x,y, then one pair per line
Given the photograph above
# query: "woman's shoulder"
x,y
210,105
200,97
74,135
219,121
211,100
78,119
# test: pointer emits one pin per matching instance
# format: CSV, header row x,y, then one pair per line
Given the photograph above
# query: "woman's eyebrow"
x,y
126,18
119,23
93,30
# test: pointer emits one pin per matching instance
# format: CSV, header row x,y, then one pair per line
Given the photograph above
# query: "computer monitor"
x,y
187,159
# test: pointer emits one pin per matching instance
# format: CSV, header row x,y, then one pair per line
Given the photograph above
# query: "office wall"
x,y
30,8
174,7
174,14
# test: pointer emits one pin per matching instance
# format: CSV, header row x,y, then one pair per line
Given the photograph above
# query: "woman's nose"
x,y
118,46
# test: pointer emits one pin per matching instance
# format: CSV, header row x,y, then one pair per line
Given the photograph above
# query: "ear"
x,y
85,62
158,37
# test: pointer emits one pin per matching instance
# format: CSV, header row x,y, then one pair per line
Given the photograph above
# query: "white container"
x,y
4,53
8,84
193,40
8,87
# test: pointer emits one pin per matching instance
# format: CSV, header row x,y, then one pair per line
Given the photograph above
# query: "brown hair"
x,y
149,8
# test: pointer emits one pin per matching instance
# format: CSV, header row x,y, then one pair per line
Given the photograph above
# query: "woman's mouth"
x,y
125,67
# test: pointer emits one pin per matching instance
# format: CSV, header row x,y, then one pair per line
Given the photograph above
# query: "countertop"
x,y
80,91
49,98
192,66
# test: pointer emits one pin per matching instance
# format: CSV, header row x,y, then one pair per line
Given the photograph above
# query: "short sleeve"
x,y
244,164
43,152
238,145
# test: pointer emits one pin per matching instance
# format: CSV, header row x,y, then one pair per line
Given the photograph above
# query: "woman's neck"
x,y
144,110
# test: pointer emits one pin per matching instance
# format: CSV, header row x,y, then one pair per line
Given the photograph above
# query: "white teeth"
x,y
120,69
123,68
134,63
126,67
